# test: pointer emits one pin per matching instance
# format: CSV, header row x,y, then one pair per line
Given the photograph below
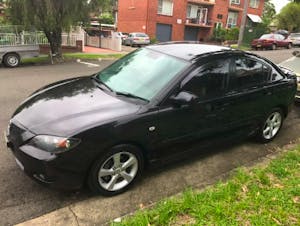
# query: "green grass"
x,y
242,47
36,60
90,56
267,195
43,59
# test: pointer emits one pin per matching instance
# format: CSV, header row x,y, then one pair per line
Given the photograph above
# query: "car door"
x,y
247,93
281,42
188,125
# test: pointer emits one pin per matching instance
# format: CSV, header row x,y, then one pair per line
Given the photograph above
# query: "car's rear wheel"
x,y
116,171
271,125
11,60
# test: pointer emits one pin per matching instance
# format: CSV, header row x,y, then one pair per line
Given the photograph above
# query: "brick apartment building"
x,y
184,19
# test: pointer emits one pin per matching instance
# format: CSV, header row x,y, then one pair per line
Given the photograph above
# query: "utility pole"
x,y
243,24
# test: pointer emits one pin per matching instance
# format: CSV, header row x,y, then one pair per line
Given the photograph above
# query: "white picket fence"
x,y
10,39
113,42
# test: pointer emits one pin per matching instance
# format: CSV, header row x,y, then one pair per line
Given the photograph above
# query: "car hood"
x,y
69,107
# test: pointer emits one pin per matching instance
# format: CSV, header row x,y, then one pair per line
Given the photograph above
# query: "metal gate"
x,y
191,33
163,32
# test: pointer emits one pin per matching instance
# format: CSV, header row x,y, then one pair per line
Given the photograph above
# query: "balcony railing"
x,y
197,22
203,2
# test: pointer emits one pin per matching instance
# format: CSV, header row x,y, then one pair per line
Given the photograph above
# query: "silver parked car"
x,y
137,39
295,38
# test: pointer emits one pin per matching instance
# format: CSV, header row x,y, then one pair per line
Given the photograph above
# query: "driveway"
x,y
22,199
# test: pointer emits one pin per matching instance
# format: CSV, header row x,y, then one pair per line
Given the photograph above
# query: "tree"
x,y
269,13
106,18
289,17
50,16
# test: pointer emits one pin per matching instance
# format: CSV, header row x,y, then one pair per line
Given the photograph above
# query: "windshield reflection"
x,y
142,73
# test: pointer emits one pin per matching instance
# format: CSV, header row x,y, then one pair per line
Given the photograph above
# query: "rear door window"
x,y
247,73
208,80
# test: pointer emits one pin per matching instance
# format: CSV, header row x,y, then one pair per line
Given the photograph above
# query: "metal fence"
x,y
11,39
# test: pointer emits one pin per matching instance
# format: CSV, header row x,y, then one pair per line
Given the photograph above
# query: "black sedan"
x,y
155,104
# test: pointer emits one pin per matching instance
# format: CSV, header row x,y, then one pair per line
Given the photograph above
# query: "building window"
x,y
232,19
254,3
220,16
237,2
165,7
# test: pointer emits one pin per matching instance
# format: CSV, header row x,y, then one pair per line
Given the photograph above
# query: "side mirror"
x,y
183,98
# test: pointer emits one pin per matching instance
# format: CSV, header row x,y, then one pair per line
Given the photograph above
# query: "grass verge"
x,y
43,59
264,195
243,47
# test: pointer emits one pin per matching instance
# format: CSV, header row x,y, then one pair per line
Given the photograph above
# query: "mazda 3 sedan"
x,y
153,105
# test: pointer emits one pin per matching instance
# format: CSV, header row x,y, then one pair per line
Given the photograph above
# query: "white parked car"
x,y
295,38
137,39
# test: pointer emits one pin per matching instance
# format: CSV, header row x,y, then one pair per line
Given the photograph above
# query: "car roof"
x,y
188,51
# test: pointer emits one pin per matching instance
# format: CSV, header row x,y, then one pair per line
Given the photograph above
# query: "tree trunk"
x,y
55,41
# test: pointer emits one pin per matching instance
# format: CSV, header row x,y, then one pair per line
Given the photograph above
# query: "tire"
x,y
11,60
120,168
274,47
271,126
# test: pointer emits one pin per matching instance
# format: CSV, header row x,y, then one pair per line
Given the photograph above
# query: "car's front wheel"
x,y
116,171
271,125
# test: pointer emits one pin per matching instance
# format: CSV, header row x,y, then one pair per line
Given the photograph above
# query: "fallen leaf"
x,y
296,199
277,221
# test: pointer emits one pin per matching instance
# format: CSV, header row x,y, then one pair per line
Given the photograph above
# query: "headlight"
x,y
53,144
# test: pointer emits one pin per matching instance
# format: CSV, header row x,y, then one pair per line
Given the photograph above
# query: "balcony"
x,y
197,17
203,2
196,22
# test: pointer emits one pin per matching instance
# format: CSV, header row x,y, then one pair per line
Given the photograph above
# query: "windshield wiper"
x,y
130,95
102,84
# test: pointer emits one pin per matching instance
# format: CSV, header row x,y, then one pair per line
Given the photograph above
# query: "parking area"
x,y
22,199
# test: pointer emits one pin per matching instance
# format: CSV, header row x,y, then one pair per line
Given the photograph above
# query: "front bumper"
x,y
46,173
51,172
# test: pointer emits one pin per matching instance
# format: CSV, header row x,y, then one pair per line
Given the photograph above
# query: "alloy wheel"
x,y
272,125
118,171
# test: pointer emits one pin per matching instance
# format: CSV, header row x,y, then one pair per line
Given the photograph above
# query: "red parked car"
x,y
271,41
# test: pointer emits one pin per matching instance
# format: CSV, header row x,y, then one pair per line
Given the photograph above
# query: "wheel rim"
x,y
118,171
272,125
12,60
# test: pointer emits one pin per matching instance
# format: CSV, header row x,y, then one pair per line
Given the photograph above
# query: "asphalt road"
x,y
22,199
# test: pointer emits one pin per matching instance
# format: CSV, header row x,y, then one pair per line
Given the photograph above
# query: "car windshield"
x,y
142,73
267,36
